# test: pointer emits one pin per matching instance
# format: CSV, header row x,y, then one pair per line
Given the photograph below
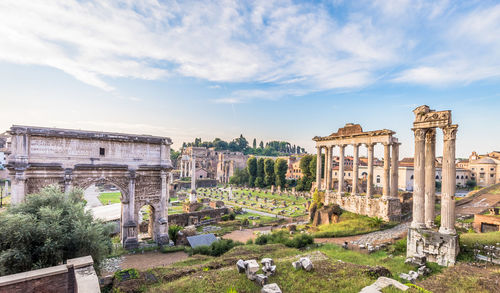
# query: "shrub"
x,y
172,232
224,218
298,241
169,249
249,241
127,274
232,216
217,248
399,247
245,222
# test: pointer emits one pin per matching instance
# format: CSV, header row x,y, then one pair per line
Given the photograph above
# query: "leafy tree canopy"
x,y
49,228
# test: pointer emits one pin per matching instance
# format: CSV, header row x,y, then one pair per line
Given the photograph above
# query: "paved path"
x,y
108,212
477,204
91,196
373,238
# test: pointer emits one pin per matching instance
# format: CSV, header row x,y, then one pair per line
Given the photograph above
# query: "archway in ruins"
x,y
137,165
146,221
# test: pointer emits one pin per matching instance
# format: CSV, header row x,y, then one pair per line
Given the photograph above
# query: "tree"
x,y
260,172
254,144
252,170
173,231
304,165
280,168
261,145
49,228
240,177
269,172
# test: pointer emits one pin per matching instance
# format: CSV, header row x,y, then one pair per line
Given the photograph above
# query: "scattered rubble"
x,y
271,288
382,283
304,263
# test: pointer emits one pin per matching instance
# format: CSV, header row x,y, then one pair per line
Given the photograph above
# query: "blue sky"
x,y
286,70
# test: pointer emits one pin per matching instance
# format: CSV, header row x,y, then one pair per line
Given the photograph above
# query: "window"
x,y
411,177
378,178
473,169
466,177
482,169
492,175
102,152
458,177
462,177
437,176
492,169
481,175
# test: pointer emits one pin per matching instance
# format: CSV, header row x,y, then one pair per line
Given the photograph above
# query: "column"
x,y
318,168
192,196
355,170
369,183
131,194
67,180
18,185
328,168
6,190
430,177
162,238
449,182
182,168
341,169
163,195
419,179
394,170
386,182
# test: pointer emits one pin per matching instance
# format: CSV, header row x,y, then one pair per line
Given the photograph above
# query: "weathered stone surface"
x,y
240,264
379,271
260,279
270,288
306,263
297,265
382,283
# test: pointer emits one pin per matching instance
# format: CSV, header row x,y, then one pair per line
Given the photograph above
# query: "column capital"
x,y
430,135
131,174
342,146
370,145
419,133
450,132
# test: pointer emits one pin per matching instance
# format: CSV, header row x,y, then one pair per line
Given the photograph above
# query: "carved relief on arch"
x,y
35,184
148,185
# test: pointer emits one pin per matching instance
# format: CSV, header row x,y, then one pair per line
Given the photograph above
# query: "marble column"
x,y
328,168
325,167
131,194
341,169
355,169
318,168
18,188
394,170
448,184
419,179
387,169
430,177
369,183
67,180
163,195
182,168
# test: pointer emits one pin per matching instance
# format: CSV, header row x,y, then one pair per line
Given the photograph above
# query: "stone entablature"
x,y
423,239
137,164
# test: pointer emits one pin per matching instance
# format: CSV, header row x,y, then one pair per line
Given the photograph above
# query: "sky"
x,y
271,70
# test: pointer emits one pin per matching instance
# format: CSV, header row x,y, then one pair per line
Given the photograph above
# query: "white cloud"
x,y
282,44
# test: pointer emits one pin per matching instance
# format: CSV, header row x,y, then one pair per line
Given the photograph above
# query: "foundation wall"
x,y
387,209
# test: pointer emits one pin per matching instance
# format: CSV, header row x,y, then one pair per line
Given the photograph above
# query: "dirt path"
x,y
373,238
145,261
245,234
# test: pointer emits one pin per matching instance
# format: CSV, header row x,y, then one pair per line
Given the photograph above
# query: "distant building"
x,y
485,169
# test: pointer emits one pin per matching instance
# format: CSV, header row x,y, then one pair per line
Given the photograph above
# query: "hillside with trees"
x,y
241,144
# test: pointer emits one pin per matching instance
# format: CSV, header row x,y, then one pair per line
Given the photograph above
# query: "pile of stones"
x,y
303,263
423,270
251,267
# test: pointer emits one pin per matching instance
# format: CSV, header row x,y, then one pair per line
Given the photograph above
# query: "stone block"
x,y
240,264
306,263
260,279
270,288
297,265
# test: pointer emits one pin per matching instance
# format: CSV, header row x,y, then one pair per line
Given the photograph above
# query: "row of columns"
x,y
424,179
186,168
390,183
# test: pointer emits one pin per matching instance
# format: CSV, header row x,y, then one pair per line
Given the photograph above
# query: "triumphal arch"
x,y
388,205
137,165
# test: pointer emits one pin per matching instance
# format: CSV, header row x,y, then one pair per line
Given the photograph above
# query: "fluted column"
x,y
449,182
419,179
369,183
325,168
341,169
386,182
328,168
318,168
355,169
131,194
394,170
430,177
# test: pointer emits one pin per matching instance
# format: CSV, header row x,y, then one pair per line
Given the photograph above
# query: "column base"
x,y
162,239
131,243
447,231
435,246
415,225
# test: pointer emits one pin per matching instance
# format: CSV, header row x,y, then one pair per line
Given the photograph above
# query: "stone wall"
x,y
186,219
387,209
78,275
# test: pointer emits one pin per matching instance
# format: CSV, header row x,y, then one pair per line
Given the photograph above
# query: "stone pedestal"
x,y
437,247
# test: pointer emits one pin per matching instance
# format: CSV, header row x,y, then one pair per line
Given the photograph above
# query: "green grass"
x,y
261,220
111,197
470,239
351,224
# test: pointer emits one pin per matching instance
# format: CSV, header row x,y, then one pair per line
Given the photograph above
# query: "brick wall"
x,y
487,219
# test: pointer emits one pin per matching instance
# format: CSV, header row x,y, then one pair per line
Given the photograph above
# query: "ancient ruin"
x,y
137,165
388,206
440,246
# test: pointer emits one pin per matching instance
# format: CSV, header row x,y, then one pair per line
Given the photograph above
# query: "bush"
x,y
399,247
217,248
172,232
49,228
127,274
245,222
232,216
249,241
169,249
298,241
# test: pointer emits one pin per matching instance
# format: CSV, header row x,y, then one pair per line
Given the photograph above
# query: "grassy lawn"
x,y
295,205
350,224
111,197
470,239
261,220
